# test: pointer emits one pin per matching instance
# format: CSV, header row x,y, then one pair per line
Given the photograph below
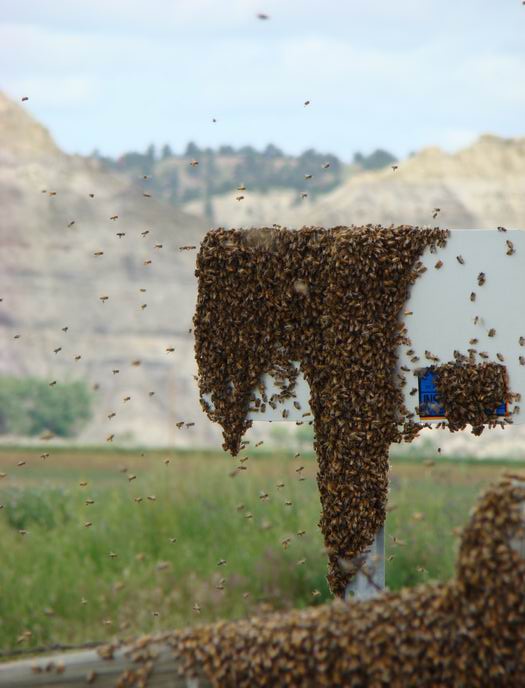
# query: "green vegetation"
x,y
29,406
375,161
222,170
153,550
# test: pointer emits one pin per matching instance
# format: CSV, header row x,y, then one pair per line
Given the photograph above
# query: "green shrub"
x,y
29,406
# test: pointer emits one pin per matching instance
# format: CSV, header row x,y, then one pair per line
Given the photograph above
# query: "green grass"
x,y
152,583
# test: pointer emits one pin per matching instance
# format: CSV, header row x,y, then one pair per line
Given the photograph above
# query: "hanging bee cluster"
x,y
332,300
467,632
470,393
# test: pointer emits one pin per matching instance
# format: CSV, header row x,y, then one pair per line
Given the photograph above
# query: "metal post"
x,y
370,580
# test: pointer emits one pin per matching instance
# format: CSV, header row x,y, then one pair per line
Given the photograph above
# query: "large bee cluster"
x,y
470,393
330,299
466,633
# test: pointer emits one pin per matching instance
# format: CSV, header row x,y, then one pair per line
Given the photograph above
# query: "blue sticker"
x,y
430,407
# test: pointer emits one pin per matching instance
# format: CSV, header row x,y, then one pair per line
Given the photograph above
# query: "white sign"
x,y
478,292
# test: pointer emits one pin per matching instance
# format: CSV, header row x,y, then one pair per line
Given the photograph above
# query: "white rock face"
x,y
50,278
479,187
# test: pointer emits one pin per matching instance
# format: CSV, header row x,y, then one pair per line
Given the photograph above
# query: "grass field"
x,y
150,558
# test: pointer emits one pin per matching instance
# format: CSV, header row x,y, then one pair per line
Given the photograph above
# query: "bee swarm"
x,y
470,393
330,299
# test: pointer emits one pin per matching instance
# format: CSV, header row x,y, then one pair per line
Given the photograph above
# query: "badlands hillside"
x,y
55,216
478,187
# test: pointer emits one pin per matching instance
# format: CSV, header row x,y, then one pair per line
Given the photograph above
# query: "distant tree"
x,y
248,150
272,151
259,170
375,161
192,150
151,153
166,152
134,163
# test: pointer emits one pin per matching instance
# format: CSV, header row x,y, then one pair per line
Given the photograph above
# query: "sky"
x,y
117,75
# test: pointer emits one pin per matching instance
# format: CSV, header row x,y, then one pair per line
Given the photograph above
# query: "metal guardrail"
x,y
88,667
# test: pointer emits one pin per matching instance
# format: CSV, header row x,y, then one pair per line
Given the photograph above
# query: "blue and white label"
x,y
431,407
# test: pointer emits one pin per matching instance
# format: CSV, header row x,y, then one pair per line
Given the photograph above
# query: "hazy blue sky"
x,y
399,74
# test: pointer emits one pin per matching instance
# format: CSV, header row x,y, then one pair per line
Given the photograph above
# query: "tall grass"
x,y
150,564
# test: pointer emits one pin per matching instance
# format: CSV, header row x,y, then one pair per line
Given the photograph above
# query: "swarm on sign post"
x,y
330,299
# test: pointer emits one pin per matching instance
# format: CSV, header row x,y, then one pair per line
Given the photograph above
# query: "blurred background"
x,y
127,130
